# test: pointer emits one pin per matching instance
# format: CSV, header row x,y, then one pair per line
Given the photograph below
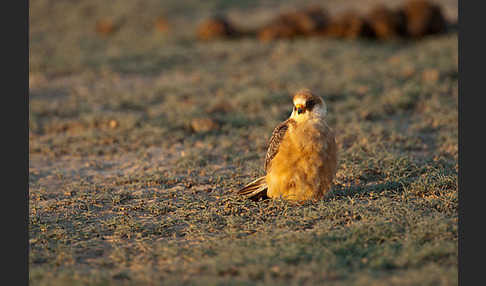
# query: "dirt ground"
x,y
138,138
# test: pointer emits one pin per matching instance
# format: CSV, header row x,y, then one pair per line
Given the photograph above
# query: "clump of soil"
x,y
161,25
105,27
423,18
349,25
216,27
415,19
205,124
306,22
386,23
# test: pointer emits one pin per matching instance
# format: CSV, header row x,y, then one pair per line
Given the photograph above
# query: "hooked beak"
x,y
299,108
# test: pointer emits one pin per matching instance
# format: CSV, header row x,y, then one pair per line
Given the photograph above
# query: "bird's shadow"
x,y
341,191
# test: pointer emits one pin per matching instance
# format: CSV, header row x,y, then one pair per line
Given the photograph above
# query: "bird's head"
x,y
308,105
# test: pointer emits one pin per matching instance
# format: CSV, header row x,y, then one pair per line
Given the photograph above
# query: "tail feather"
x,y
255,190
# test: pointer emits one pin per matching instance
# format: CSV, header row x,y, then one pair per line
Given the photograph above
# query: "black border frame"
x,y
471,89
15,120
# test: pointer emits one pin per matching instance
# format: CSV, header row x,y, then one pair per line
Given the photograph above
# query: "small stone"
x,y
394,60
203,125
162,25
105,27
362,89
430,75
113,124
275,269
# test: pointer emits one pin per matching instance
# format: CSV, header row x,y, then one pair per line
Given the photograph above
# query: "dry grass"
x,y
124,191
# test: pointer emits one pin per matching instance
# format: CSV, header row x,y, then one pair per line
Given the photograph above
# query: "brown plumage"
x,y
301,159
277,136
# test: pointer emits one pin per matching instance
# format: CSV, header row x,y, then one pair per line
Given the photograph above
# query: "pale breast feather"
x,y
277,136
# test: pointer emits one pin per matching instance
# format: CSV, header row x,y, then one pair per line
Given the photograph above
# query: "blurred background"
x,y
65,36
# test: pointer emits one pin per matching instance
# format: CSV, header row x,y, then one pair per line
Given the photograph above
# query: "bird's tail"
x,y
255,190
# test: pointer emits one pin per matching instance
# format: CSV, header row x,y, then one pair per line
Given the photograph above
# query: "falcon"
x,y
301,159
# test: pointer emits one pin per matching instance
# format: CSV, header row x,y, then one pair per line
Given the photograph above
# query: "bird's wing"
x,y
277,136
255,190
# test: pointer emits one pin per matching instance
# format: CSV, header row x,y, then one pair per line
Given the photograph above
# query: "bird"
x,y
301,159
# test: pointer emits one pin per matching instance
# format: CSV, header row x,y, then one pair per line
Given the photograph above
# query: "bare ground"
x,y
122,190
